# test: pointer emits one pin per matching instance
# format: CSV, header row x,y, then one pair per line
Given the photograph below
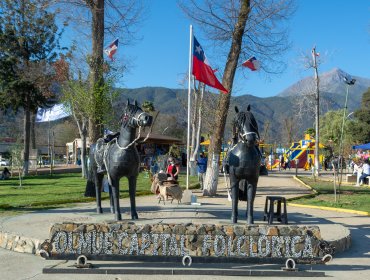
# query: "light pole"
x,y
350,82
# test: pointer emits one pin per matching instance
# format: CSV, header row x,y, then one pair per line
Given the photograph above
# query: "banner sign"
x,y
57,112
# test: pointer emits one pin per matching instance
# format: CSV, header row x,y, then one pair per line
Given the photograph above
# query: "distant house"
x,y
73,150
155,145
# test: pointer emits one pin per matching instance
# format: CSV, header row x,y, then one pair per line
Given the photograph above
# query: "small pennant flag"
x,y
112,49
252,64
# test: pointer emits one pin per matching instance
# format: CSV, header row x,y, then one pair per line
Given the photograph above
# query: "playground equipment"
x,y
300,152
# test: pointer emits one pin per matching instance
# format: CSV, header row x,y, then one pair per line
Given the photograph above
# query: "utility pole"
x,y
317,113
349,82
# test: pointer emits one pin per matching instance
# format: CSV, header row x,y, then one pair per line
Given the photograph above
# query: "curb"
x,y
330,209
364,213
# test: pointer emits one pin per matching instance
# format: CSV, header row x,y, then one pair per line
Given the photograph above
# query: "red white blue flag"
x,y
252,64
112,49
202,71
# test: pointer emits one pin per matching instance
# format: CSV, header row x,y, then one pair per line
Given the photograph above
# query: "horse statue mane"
x,y
243,162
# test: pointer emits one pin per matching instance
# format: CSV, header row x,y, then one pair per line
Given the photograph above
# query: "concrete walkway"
x,y
333,225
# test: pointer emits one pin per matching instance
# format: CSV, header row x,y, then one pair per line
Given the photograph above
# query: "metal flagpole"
x,y
189,104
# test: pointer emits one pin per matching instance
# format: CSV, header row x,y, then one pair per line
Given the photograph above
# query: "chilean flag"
x,y
252,63
112,49
202,70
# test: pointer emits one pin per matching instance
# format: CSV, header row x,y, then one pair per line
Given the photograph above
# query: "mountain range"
x,y
277,116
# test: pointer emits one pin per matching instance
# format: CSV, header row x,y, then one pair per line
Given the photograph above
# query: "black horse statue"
x,y
120,158
243,162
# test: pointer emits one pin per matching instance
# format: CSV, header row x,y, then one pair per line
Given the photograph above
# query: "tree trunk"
x,y
96,65
33,130
84,154
197,128
210,184
26,143
82,129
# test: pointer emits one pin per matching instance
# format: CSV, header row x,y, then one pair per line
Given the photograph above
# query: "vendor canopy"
x,y
363,147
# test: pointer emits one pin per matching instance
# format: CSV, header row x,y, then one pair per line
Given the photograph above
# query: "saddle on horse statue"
x,y
101,146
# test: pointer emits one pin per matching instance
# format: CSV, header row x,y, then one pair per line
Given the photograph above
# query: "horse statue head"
x,y
245,127
133,116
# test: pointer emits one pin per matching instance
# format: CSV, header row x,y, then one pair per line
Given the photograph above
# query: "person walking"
x,y
202,168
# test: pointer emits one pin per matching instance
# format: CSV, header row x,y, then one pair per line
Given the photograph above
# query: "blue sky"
x,y
340,29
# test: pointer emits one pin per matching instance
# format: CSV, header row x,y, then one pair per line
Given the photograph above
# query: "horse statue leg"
x,y
234,183
132,192
98,190
251,193
115,198
111,200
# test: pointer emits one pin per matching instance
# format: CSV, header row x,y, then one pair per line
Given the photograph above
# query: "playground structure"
x,y
299,153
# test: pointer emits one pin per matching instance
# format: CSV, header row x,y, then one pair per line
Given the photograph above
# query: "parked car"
x,y
4,162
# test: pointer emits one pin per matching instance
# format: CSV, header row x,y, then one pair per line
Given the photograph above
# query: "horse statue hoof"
x,y
118,217
134,216
234,219
99,210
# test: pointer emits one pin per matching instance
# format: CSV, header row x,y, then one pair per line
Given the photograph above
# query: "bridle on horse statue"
x,y
137,119
239,135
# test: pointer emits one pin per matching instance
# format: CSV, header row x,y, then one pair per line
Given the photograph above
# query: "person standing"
x,y
365,171
310,163
282,162
5,174
173,169
202,168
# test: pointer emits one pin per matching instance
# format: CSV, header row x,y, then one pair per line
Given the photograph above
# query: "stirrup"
x,y
101,170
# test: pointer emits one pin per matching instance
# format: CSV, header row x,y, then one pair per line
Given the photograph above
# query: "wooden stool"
x,y
269,213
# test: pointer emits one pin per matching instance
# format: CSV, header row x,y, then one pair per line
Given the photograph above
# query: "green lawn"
x,y
349,197
45,191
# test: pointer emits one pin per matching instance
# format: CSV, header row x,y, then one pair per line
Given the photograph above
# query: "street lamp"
x,y
350,82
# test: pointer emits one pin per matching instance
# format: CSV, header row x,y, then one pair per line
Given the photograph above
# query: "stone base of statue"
x,y
187,244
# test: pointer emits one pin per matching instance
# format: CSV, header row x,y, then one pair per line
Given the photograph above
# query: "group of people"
x,y
284,164
173,168
362,169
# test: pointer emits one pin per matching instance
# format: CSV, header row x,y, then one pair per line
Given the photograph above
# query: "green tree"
x,y
80,98
148,106
361,131
28,43
310,131
331,130
104,17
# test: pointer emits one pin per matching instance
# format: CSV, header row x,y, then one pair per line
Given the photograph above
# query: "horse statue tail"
x,y
90,183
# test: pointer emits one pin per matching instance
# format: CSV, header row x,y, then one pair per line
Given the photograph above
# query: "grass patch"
x,y
60,190
349,197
